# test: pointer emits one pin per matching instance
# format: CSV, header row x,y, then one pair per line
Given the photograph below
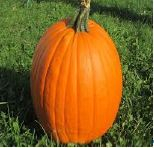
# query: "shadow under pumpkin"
x,y
15,90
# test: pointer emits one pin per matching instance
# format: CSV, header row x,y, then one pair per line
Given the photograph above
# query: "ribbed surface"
x,y
76,83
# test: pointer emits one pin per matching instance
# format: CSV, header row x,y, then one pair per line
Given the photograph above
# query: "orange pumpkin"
x,y
76,82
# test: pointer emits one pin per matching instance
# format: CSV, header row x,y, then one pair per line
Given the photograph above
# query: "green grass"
x,y
21,25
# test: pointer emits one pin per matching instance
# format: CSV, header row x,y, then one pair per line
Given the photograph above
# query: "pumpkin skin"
x,y
76,82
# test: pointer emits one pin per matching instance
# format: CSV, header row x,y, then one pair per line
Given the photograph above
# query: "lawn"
x,y
22,23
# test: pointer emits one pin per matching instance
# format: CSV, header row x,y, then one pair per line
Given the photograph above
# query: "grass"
x,y
21,26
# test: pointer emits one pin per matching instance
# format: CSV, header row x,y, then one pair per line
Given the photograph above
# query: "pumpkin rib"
x,y
71,89
75,43
60,68
41,53
94,87
55,29
78,84
94,102
50,61
103,66
77,102
78,119
36,85
83,50
51,55
85,37
65,100
45,42
78,60
65,89
102,62
72,41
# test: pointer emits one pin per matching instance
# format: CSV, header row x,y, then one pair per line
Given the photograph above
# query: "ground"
x,y
129,23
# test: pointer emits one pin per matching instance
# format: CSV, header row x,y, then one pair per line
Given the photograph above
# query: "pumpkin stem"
x,y
80,23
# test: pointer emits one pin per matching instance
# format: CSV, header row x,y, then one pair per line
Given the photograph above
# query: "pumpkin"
x,y
76,79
